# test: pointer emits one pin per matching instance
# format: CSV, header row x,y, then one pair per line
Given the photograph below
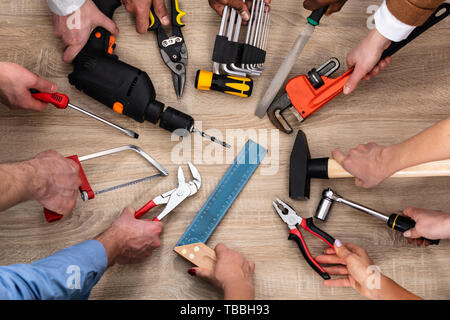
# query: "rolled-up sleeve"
x,y
64,7
389,26
68,274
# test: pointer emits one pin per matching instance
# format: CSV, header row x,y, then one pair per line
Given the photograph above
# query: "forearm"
x,y
390,290
432,144
239,291
68,274
111,241
17,183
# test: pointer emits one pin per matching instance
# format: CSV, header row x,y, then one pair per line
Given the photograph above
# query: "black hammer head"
x,y
302,168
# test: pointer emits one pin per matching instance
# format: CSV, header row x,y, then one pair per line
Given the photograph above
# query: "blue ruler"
x,y
223,196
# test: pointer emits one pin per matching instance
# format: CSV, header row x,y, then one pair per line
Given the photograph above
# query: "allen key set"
x,y
234,62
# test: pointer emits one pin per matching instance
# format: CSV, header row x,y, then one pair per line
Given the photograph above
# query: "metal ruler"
x,y
223,196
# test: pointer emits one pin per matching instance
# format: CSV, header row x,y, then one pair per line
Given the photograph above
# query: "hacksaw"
x,y
191,245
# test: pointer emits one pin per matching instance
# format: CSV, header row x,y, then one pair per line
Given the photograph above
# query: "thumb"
x,y
341,251
45,86
339,156
352,82
412,233
72,51
108,24
202,273
128,212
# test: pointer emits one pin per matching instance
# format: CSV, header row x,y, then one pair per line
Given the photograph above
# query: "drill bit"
x,y
213,139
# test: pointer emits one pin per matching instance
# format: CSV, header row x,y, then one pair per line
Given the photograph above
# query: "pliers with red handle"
x,y
175,196
292,219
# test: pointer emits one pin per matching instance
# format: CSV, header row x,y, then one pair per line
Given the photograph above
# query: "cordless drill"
x,y
100,74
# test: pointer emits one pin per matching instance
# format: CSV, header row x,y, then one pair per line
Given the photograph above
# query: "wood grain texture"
x,y
412,95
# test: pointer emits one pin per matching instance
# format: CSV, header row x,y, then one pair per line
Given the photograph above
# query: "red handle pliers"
x,y
175,196
292,219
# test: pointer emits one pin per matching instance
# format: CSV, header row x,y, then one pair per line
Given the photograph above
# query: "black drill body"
x,y
101,75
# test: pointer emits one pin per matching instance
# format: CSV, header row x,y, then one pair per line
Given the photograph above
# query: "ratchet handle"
x,y
59,100
296,236
151,204
432,20
309,225
402,224
316,15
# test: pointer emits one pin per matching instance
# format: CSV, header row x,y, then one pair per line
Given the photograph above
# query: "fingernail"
x,y
346,89
165,20
244,16
192,272
407,233
338,243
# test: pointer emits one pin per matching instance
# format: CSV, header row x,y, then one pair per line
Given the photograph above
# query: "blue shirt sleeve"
x,y
68,274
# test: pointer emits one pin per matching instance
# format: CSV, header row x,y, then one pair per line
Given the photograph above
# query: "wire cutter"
x,y
175,196
173,49
292,219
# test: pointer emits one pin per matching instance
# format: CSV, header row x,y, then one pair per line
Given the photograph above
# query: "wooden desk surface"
x,y
412,95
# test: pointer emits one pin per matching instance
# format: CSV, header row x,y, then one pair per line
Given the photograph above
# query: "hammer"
x,y
394,221
303,168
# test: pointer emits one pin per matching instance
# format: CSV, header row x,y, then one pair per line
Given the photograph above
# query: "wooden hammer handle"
x,y
429,169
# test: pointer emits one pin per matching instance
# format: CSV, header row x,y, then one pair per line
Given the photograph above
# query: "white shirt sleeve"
x,y
389,26
64,7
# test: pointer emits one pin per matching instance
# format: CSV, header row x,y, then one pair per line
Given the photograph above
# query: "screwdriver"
x,y
61,101
237,86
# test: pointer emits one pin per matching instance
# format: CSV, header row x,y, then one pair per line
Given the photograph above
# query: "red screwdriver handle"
x,y
151,204
59,100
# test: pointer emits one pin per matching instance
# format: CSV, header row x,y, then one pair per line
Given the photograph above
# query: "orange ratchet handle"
x,y
52,216
307,100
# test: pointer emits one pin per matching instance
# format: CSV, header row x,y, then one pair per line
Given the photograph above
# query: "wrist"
x,y
390,161
238,290
378,40
38,185
111,241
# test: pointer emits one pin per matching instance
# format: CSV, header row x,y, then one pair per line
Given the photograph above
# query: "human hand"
x,y
241,6
369,163
353,263
56,181
141,9
15,85
333,5
360,273
130,240
429,224
364,58
75,29
232,273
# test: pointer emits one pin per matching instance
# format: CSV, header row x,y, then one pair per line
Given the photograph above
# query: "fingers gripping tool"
x,y
175,196
292,219
173,49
